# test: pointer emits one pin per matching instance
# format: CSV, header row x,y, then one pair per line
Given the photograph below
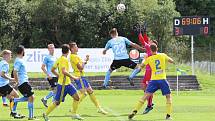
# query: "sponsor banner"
x,y
97,63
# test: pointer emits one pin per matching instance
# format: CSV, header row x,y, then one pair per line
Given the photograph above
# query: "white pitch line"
x,y
117,115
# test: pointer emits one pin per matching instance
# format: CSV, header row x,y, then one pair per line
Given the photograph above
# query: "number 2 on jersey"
x,y
157,64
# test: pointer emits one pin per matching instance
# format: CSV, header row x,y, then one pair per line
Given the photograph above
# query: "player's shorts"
x,y
69,89
82,83
5,90
53,81
25,89
154,85
147,77
124,62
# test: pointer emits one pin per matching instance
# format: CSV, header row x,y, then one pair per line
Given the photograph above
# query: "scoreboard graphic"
x,y
191,25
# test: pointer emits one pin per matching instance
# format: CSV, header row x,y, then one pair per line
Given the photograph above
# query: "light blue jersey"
x,y
118,46
20,67
4,67
49,61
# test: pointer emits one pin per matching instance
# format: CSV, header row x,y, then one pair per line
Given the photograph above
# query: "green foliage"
x,y
37,23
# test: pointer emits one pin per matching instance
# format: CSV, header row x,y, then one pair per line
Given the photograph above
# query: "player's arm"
x,y
15,74
53,70
81,66
170,60
68,74
4,75
136,46
107,46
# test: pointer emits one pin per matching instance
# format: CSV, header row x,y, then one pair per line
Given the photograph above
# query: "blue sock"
x,y
134,73
31,109
51,93
4,100
22,99
53,99
107,78
14,107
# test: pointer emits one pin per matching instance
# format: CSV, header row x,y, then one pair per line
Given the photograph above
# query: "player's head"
x,y
153,48
73,47
6,54
51,48
65,49
155,41
113,32
20,51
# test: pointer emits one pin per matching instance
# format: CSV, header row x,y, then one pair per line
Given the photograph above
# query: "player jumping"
x,y
121,58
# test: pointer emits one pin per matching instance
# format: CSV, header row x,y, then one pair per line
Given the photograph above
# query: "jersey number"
x,y
119,49
157,63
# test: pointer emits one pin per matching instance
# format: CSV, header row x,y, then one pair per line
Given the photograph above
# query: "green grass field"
x,y
188,106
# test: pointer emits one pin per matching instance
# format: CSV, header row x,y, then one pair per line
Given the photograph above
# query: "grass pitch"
x,y
188,106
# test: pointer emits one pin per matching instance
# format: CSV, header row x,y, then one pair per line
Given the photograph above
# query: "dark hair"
x,y
155,41
72,44
113,31
153,47
65,48
20,49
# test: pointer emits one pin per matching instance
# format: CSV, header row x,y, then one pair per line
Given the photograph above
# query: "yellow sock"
x,y
82,96
138,105
75,106
94,100
51,108
169,108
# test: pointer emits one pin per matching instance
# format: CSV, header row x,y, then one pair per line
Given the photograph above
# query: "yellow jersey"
x,y
74,60
158,65
62,62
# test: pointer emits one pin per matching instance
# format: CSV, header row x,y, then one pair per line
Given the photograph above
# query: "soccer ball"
x,y
120,8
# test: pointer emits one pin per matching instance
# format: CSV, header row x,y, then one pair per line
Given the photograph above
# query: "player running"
x,y
64,85
157,62
121,58
21,77
48,62
82,84
5,89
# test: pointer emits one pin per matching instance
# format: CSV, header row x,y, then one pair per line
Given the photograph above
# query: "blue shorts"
x,y
82,83
69,89
154,85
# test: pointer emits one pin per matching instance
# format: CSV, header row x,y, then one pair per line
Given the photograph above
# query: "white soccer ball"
x,y
120,8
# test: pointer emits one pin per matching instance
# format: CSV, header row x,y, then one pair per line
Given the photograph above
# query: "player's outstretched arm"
x,y
134,45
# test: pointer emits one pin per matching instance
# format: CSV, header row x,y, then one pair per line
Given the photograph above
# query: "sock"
x,y
75,106
94,100
51,108
138,105
31,109
169,108
134,73
22,99
4,100
82,96
51,93
53,99
107,78
150,101
14,107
